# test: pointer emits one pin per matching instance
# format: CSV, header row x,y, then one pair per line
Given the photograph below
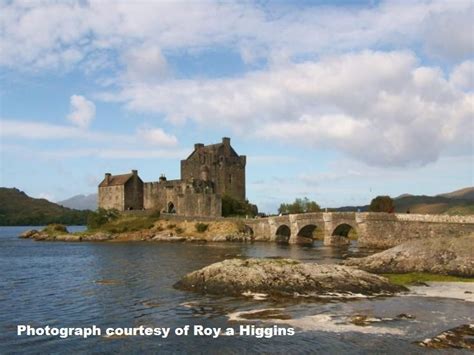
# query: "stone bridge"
x,y
381,230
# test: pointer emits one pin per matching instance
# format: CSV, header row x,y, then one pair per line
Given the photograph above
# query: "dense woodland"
x,y
18,209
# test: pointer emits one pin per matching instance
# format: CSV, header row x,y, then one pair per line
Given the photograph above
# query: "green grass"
x,y
127,224
415,277
55,229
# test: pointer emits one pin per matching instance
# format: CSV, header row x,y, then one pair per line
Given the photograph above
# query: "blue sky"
x,y
337,101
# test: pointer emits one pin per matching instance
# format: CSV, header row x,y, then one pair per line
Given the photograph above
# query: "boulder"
x,y
28,234
168,238
42,236
460,337
337,240
68,238
97,237
448,256
285,277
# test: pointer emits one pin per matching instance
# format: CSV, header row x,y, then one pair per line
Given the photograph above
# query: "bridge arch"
x,y
283,234
344,230
171,208
306,235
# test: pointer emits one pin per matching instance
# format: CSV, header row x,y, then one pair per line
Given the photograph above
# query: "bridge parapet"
x,y
440,218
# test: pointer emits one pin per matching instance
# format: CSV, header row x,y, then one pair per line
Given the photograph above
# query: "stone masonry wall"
x,y
133,194
158,195
112,197
383,230
220,165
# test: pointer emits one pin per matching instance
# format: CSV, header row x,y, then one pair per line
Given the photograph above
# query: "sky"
x,y
337,101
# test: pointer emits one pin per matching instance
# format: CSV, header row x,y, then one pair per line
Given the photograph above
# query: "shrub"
x,y
233,207
382,204
101,217
179,230
201,227
171,226
301,205
55,229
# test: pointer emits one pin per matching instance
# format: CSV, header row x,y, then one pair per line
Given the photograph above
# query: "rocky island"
x,y
285,277
437,255
146,228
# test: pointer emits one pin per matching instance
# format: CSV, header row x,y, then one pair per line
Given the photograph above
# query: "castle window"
x,y
230,178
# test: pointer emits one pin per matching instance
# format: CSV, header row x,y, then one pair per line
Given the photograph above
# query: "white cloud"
x,y
82,111
75,31
145,64
379,107
14,129
463,76
384,108
37,130
156,136
116,152
450,34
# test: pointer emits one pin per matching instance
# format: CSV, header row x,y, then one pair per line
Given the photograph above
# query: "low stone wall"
x,y
384,230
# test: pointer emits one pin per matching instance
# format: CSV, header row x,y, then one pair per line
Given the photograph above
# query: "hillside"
x,y
17,208
462,194
81,202
459,202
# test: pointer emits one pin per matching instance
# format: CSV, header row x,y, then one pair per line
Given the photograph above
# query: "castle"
x,y
207,174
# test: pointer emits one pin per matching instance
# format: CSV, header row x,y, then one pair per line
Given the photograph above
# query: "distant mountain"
x,y
462,194
81,202
17,208
403,195
459,202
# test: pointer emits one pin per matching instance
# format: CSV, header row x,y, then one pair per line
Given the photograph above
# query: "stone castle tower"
x,y
219,164
208,173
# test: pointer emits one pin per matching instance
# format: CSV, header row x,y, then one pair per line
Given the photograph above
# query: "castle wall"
x,y
133,194
112,197
157,195
199,204
187,202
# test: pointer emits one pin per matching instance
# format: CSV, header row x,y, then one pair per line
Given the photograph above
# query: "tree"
x,y
233,207
300,205
382,204
101,217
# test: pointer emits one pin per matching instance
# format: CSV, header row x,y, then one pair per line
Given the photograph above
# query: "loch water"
x,y
131,284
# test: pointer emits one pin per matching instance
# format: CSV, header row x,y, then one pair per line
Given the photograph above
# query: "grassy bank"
x,y
417,277
125,224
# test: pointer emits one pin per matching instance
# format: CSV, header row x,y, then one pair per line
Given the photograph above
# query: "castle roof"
x,y
216,148
115,180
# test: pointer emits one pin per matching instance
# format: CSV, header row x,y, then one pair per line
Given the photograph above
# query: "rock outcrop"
x,y
447,256
62,235
460,337
285,277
